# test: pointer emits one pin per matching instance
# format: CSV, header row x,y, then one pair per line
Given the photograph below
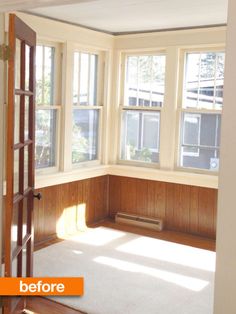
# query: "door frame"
x,y
2,123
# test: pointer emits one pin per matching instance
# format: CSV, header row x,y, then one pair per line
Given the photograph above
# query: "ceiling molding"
x,y
169,29
127,33
66,22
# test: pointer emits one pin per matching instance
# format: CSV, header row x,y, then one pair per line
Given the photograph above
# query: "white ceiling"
x,y
118,16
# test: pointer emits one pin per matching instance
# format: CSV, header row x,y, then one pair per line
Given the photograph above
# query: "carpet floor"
x,y
126,273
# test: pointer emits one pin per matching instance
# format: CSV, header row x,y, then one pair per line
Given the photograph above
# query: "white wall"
x,y
1,126
62,32
225,281
183,38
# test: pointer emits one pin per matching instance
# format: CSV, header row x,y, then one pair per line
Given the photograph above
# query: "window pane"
x,y
85,135
145,81
76,78
44,75
45,138
48,75
200,141
140,136
158,83
85,79
93,80
204,79
39,74
191,130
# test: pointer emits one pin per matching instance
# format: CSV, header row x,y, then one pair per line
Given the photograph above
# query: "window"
x,y
86,108
144,89
201,110
46,111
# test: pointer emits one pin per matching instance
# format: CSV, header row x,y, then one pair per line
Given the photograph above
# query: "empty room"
x,y
117,156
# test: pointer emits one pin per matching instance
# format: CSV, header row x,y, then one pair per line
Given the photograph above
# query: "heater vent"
x,y
151,223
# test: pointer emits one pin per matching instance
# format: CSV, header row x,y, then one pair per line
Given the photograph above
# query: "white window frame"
x,y
181,109
144,109
56,103
99,106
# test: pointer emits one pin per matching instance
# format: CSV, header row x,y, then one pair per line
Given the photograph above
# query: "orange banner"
x,y
41,286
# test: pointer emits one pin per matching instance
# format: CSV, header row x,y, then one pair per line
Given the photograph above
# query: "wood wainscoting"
x,y
62,202
183,208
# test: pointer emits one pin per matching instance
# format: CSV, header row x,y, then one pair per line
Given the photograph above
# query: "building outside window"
x,y
201,106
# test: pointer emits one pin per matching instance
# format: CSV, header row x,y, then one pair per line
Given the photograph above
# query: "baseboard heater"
x,y
151,223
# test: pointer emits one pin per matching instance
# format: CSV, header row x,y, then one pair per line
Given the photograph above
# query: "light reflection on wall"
x,y
72,220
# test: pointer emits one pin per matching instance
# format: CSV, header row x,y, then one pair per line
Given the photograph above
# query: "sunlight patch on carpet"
x,y
170,252
97,236
187,282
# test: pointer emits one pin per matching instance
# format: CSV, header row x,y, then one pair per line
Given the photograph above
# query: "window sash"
x,y
96,160
43,74
47,155
216,110
50,106
125,84
215,102
91,81
139,137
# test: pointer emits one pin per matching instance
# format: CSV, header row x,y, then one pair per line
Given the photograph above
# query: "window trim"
x,y
180,109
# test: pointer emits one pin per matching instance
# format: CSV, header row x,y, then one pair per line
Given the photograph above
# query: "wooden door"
x,y
20,154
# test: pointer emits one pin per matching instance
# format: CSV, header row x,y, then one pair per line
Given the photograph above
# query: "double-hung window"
x,y
47,110
87,106
201,106
143,98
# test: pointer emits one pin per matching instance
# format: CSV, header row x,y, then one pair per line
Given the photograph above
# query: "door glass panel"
x,y
17,120
26,118
16,171
24,263
17,64
14,268
14,228
25,205
27,66
26,167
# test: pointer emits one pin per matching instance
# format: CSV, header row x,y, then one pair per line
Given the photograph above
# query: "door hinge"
x,y
5,52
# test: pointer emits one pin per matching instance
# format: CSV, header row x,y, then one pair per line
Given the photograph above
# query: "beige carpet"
x,y
131,274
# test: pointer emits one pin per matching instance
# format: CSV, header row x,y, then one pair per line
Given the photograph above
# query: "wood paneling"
x,y
60,204
184,208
